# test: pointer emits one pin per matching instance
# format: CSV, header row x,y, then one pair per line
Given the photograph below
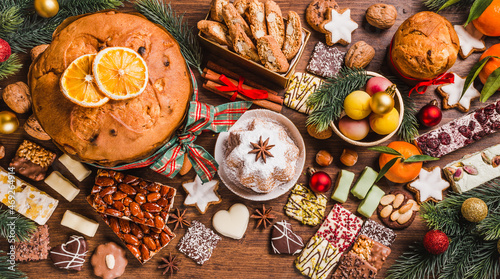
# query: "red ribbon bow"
x,y
253,94
443,78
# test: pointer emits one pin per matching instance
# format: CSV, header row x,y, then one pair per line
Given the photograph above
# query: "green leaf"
x,y
386,150
477,9
386,168
420,158
449,3
491,86
474,72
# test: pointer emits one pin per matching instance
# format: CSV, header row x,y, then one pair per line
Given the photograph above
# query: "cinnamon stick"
x,y
213,76
211,86
228,73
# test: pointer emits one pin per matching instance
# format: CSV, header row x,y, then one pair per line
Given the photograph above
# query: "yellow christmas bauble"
x,y
381,103
46,8
8,122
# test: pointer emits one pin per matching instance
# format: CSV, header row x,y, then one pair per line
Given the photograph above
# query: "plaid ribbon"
x,y
169,158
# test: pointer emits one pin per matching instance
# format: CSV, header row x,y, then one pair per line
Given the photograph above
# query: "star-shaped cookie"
x,y
471,40
338,27
201,195
429,185
451,94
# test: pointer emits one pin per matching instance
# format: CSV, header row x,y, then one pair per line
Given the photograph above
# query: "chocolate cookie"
x,y
316,12
397,210
109,261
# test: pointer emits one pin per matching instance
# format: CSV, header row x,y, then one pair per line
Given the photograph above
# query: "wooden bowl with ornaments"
x,y
373,139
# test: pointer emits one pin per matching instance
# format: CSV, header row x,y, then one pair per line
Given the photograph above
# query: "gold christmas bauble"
x,y
474,210
46,8
381,103
8,122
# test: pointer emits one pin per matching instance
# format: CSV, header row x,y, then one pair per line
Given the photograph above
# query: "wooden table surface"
x,y
250,257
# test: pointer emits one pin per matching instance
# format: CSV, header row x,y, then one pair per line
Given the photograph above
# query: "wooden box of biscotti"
x,y
256,36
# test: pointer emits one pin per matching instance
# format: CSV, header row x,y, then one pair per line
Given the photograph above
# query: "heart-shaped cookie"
x,y
70,255
232,223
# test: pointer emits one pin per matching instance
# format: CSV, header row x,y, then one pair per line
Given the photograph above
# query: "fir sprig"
x,y
5,269
11,66
489,228
164,15
23,227
437,4
328,100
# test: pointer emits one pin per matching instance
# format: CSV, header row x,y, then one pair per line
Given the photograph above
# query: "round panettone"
x,y
424,46
118,131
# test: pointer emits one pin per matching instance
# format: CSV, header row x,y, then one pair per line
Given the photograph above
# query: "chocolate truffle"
x,y
284,240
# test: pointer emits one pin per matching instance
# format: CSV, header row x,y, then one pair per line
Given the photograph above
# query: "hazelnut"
x,y
36,51
324,158
33,128
17,96
382,16
349,157
359,55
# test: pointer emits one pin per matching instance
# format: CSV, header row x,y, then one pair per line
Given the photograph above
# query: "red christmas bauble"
x,y
436,242
320,182
5,50
430,115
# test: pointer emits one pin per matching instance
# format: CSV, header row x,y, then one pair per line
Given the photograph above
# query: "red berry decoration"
x,y
430,115
5,50
320,182
436,242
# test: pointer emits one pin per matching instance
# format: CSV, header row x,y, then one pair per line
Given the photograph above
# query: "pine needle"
x,y
437,4
10,19
489,228
164,15
5,269
23,227
10,66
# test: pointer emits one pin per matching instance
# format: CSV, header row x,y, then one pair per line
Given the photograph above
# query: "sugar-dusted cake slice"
x,y
198,243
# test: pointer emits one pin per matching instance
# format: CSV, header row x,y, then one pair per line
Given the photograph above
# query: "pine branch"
x,y
10,19
416,264
489,228
23,227
444,219
6,272
328,100
436,4
164,15
10,67
409,126
459,257
485,263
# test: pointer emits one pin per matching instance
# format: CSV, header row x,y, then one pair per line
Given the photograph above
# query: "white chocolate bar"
x,y
26,199
79,223
76,168
302,85
62,185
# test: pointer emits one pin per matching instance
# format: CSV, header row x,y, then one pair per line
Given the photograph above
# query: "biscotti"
x,y
216,9
270,54
275,24
242,7
256,13
242,44
215,31
293,35
233,18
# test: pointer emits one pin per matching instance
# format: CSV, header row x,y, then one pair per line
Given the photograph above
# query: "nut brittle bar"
x,y
142,241
132,198
32,160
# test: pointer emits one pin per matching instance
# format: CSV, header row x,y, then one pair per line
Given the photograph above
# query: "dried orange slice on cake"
x,y
78,84
120,73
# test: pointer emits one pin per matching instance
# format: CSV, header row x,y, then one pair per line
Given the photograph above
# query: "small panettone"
x,y
118,131
424,46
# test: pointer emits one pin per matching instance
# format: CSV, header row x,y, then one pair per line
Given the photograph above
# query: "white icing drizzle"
x,y
286,232
341,26
470,38
430,184
454,90
200,194
77,258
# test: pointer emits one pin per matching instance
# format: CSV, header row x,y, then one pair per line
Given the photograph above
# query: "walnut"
x,y
382,16
17,96
33,128
359,55
36,51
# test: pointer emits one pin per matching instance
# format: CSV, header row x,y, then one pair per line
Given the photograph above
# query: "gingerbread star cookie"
x,y
429,185
201,195
451,94
338,27
471,40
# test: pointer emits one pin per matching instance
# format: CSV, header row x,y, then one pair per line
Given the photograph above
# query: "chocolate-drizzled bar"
x,y
32,160
142,241
131,198
461,132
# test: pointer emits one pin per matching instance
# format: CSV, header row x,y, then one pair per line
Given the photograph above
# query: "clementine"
x,y
488,22
401,172
492,64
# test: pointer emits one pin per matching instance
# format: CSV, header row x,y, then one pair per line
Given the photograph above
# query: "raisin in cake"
x,y
261,174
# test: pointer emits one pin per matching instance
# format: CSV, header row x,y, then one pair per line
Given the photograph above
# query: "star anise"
x,y
261,149
263,216
179,219
171,264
